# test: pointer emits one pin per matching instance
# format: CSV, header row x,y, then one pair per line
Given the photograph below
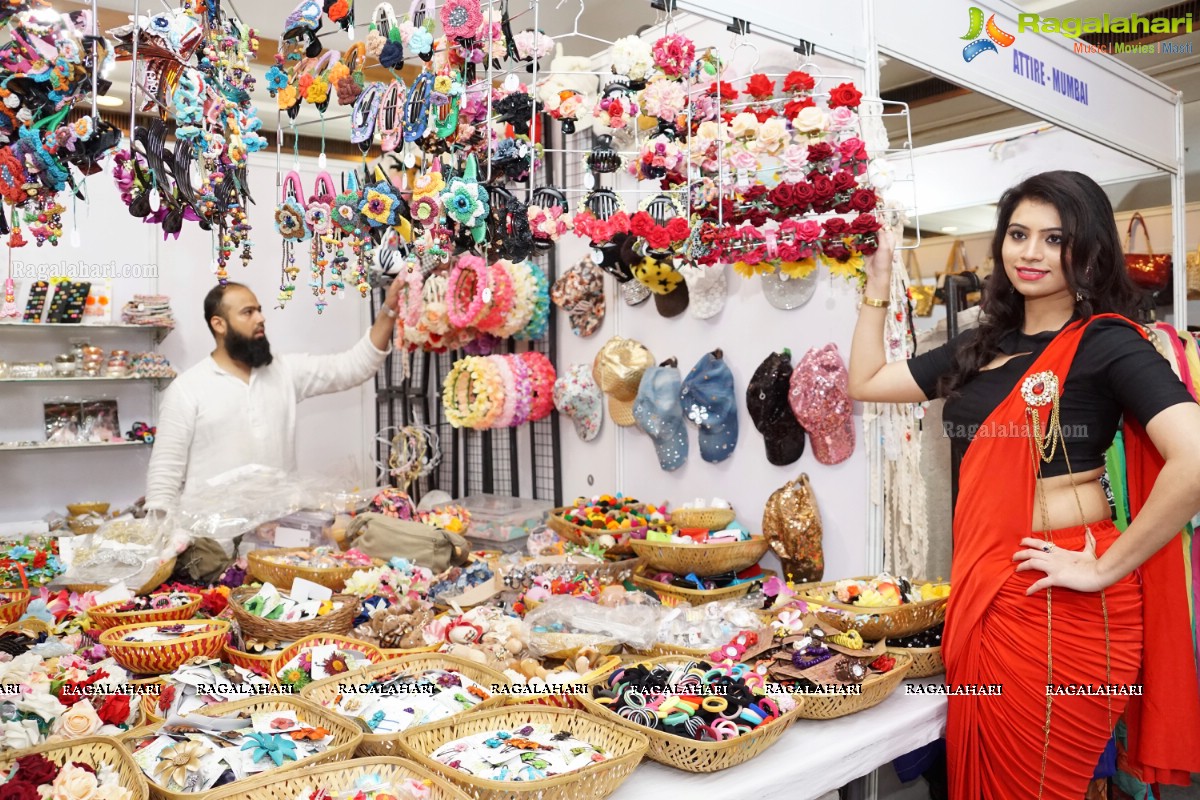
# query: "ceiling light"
x,y
109,102
949,229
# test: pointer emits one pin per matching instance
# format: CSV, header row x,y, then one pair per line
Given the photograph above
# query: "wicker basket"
x,y
566,700
255,662
325,692
282,575
695,596
562,646
603,571
13,603
927,661
340,621
159,577
346,736
149,704
31,626
373,653
624,745
584,536
338,775
891,622
92,750
701,559
111,619
695,756
204,639
713,519
875,690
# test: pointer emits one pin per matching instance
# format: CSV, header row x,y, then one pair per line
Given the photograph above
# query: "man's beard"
x,y
253,352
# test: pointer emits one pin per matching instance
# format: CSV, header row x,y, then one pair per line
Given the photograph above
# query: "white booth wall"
x,y
333,432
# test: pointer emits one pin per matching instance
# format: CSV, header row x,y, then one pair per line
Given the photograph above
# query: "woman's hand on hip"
x,y
1070,569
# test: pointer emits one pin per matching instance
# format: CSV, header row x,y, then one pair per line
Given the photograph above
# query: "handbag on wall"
x,y
792,527
920,292
1150,271
956,264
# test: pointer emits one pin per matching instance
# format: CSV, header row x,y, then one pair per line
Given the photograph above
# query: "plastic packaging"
x,y
633,625
500,519
123,550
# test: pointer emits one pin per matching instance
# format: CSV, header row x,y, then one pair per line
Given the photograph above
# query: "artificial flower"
x,y
533,44
461,18
338,10
793,107
810,120
465,202
392,55
36,769
41,704
772,136
673,54
111,791
19,735
760,87
426,210
798,81
317,91
664,99
336,664
379,205
76,722
744,126
73,782
270,745
276,79
632,57
289,221
319,218
724,90
421,41
844,95
798,269
114,710
19,790
840,117
852,150
176,761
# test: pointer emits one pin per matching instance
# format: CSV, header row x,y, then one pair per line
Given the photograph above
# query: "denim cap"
x,y
577,396
618,372
709,401
767,402
820,400
658,413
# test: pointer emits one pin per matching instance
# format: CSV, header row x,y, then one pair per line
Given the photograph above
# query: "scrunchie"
x,y
539,321
468,291
543,376
524,289
502,299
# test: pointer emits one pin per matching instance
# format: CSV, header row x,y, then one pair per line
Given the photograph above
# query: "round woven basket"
x,y
585,536
875,690
105,619
701,559
691,755
624,746
713,519
149,703
267,571
13,603
339,621
927,661
568,699
373,653
346,736
255,662
31,626
203,639
562,646
326,691
696,596
339,778
889,622
156,580
96,752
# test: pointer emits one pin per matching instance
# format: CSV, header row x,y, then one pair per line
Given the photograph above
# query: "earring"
x,y
1079,297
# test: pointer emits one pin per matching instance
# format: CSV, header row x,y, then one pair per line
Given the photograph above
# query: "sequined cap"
x,y
789,293
618,372
659,414
767,402
819,399
709,401
577,396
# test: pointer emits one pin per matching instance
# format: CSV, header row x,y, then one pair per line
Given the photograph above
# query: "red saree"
x,y
997,746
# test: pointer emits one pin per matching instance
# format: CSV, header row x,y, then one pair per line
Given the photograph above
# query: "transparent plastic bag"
x,y
633,625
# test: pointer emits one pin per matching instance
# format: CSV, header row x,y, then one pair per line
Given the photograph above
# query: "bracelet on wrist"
x,y
874,303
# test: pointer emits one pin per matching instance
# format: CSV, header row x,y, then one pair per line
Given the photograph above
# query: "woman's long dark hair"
x,y
1092,259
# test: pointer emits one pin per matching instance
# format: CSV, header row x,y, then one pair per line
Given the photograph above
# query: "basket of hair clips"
x,y
925,650
320,565
248,604
200,684
727,719
110,764
377,778
880,607
320,656
612,522
290,733
13,603
152,648
164,607
601,754
258,657
680,592
701,558
395,695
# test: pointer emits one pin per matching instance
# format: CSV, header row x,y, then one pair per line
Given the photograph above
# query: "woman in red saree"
x,y
1077,623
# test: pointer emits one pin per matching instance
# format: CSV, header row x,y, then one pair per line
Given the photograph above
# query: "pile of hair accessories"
x,y
154,602
270,603
528,753
397,702
458,579
320,558
453,518
885,590
614,513
393,503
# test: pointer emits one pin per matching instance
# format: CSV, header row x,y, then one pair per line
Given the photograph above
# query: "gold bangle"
x,y
873,303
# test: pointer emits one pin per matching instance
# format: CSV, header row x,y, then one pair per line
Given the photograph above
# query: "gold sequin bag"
x,y
792,526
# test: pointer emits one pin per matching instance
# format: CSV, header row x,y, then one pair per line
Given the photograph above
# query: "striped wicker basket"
x,y
156,580
201,639
624,746
713,519
104,617
927,661
149,703
875,690
691,755
891,622
346,736
95,751
695,596
339,778
339,621
701,559
13,603
265,569
585,536
373,653
325,692
255,662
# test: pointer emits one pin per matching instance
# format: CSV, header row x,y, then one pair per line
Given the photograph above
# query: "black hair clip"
x,y
510,41
662,208
603,158
547,196
517,110
603,203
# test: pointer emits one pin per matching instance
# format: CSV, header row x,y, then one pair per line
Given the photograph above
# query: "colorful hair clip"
x,y
416,112
362,118
391,116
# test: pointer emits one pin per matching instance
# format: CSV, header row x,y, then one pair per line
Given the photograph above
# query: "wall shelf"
x,y
79,379
30,448
159,332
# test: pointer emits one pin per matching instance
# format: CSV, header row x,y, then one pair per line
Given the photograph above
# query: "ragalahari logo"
x,y
979,45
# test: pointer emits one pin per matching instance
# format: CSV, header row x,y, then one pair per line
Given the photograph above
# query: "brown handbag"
x,y
1149,271
920,292
956,264
792,527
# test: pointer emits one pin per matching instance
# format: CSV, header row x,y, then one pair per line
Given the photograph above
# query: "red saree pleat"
x,y
996,635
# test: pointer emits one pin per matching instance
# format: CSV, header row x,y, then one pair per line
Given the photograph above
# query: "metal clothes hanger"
x,y
575,31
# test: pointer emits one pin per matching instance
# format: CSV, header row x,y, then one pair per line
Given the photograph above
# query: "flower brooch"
x,y
270,745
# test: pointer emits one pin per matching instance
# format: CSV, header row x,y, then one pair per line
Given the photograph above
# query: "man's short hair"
x,y
214,302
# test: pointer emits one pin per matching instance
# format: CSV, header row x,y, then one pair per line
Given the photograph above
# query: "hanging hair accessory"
x,y
466,202
391,116
416,112
362,118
